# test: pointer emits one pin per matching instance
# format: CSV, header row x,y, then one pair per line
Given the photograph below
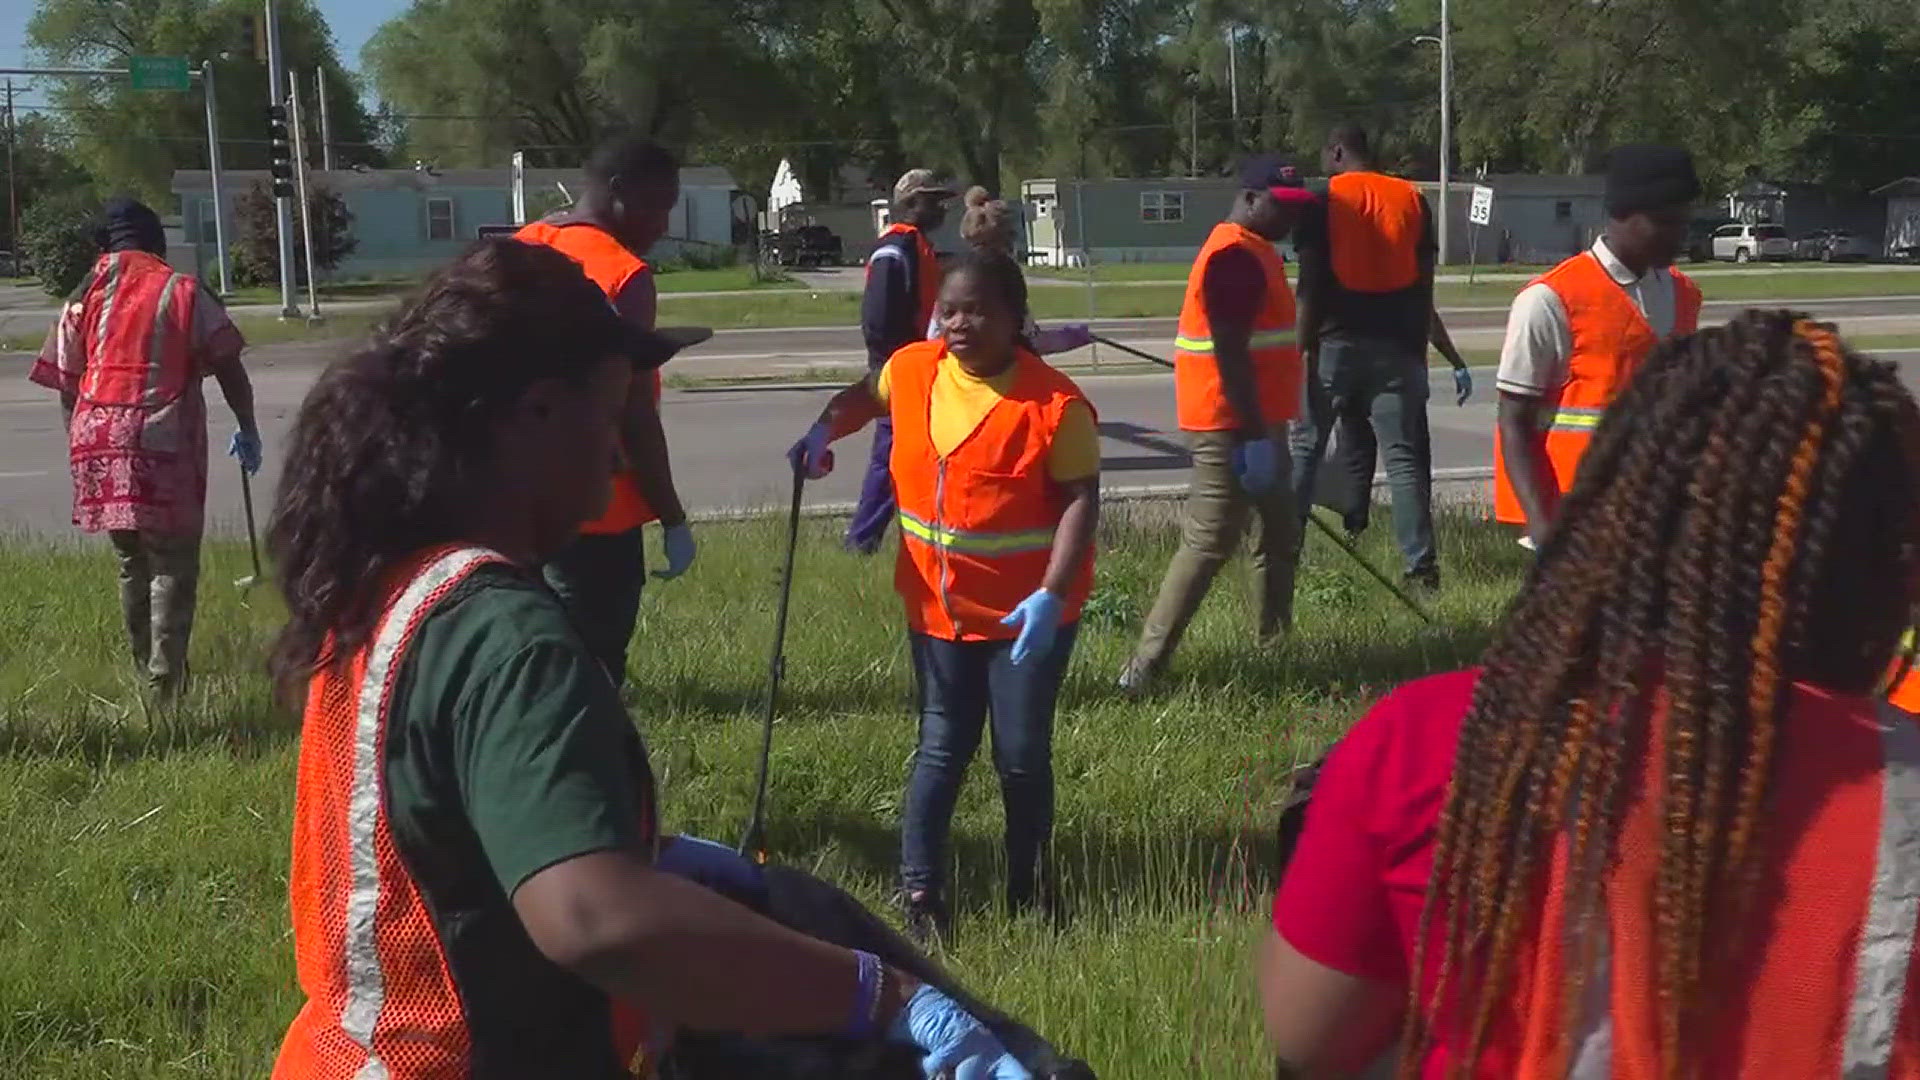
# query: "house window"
x,y
1163,206
439,219
1563,210
208,232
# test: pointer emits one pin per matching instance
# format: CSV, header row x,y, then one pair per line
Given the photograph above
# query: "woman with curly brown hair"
x,y
1666,830
479,884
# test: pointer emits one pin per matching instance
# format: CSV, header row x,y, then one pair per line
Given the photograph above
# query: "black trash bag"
x,y
802,902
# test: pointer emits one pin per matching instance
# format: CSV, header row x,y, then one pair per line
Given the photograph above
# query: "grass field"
x,y
146,929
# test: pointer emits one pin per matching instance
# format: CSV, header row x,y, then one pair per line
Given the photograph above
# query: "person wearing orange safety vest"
x,y
1576,335
1668,826
1367,256
996,458
1237,382
479,886
903,281
127,356
630,186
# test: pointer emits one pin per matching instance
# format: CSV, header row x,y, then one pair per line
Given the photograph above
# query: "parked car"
x,y
806,245
1700,238
1745,243
1834,245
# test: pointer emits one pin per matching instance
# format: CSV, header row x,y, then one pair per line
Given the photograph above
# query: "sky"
x,y
352,21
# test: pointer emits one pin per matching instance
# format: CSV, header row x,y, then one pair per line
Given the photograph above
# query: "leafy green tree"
x,y
255,251
134,140
57,238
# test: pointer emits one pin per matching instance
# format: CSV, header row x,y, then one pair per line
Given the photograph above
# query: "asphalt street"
x,y
728,441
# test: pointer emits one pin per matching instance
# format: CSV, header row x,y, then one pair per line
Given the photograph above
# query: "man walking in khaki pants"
x,y
1237,382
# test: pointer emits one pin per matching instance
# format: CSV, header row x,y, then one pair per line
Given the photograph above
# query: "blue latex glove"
x,y
1462,385
812,453
1059,339
714,866
1038,618
957,1045
1257,464
245,445
680,551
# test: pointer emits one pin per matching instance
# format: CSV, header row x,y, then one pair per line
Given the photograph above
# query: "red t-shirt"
x,y
1353,892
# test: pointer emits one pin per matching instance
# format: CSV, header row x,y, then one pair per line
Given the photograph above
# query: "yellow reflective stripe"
x,y
976,543
1576,419
1259,339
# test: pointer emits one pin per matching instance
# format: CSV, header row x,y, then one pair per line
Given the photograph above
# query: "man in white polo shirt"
x,y
1576,334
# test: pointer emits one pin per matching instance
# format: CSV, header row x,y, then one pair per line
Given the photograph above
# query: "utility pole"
x,y
213,175
282,203
1193,134
326,129
306,206
13,194
1446,122
1233,78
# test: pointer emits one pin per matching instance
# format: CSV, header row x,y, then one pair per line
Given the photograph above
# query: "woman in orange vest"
x,y
1576,335
996,459
479,887
1666,829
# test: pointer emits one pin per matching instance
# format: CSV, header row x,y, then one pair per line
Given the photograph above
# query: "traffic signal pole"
x,y
306,206
280,162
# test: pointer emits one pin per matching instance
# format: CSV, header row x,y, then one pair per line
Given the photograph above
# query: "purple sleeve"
x,y
1234,286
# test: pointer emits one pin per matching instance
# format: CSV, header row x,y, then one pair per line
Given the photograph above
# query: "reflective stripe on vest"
x,y
1886,937
976,543
137,348
1574,418
365,982
1259,339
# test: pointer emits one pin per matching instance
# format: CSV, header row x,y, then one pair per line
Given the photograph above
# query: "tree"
x,y
57,236
134,140
256,250
41,168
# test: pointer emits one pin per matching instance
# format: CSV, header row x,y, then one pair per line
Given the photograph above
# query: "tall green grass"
x,y
146,933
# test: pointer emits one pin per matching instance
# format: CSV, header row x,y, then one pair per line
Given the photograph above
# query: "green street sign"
x,y
158,72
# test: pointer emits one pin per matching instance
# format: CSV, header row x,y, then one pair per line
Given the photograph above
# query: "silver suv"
x,y
1745,243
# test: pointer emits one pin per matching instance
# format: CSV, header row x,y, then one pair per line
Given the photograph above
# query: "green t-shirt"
x,y
508,751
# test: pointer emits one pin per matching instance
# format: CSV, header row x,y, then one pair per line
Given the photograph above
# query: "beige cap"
x,y
921,182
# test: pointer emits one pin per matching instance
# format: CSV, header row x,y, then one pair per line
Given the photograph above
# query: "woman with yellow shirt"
x,y
996,463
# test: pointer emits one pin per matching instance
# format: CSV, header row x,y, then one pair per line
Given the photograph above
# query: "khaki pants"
x,y
1217,513
159,584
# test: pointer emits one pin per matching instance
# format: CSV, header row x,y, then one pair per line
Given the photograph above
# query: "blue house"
x,y
408,221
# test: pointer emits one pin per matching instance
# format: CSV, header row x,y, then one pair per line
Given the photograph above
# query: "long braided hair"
x,y
1748,515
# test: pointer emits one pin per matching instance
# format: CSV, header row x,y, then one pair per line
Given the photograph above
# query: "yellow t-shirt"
x,y
961,400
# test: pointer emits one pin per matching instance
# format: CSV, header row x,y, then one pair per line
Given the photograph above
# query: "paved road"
x,y
727,441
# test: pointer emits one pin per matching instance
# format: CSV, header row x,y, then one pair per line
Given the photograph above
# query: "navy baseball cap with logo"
x,y
1276,175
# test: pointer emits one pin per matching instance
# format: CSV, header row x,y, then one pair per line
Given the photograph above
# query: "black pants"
x,y
598,577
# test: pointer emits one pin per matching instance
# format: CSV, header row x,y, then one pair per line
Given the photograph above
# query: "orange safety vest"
x,y
927,287
977,525
138,314
1827,969
1374,225
610,265
381,999
1200,400
1610,339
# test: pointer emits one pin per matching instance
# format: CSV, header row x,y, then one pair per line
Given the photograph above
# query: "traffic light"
x,y
279,152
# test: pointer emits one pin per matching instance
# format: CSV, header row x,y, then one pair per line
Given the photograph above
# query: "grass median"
x,y
146,854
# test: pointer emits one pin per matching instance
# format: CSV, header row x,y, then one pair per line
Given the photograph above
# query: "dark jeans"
x,y
960,684
598,577
1377,392
876,507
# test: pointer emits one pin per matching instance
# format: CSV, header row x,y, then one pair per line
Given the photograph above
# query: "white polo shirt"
x,y
1533,361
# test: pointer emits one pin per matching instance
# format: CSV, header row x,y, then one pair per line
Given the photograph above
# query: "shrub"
x,y
56,237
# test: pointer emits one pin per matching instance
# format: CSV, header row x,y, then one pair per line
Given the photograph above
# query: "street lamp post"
x,y
1445,41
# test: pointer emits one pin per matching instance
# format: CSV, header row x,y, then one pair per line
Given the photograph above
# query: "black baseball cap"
x,y
1277,175
649,349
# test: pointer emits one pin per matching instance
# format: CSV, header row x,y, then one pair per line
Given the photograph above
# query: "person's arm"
x,y
641,431
1310,247
860,403
887,310
1231,289
1074,536
691,956
219,344
1443,341
1532,368
1323,1022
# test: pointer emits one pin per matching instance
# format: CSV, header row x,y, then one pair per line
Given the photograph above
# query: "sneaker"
x,y
1137,678
926,917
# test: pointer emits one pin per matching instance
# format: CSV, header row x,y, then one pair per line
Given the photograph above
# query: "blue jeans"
x,y
960,684
1377,392
876,507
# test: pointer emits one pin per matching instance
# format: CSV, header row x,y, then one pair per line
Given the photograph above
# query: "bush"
x,y
56,237
256,250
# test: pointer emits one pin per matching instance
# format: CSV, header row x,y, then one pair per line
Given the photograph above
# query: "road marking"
x,y
22,475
